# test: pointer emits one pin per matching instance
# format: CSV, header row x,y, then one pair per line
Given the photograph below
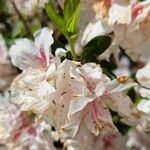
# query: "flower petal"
x,y
23,54
117,102
31,92
43,41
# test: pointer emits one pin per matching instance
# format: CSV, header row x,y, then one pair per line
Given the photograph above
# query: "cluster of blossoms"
x,y
128,22
50,102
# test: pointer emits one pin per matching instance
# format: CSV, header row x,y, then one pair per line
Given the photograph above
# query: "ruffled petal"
x,y
31,92
117,102
23,54
43,41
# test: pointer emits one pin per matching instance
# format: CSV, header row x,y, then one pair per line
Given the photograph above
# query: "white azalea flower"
x,y
31,90
133,27
91,107
74,103
99,25
17,130
81,92
26,54
131,19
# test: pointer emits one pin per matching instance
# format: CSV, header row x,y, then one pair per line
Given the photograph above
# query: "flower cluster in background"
x,y
74,75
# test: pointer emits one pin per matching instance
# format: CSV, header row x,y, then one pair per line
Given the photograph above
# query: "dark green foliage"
x,y
95,47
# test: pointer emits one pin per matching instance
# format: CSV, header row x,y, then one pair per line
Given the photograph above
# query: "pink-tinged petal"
x,y
109,141
92,75
136,10
95,114
8,117
83,140
43,41
25,54
113,141
23,124
98,118
67,86
41,58
132,22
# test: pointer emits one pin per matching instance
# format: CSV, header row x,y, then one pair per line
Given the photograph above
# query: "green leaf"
x,y
71,25
55,18
95,47
18,29
72,38
71,15
109,73
70,7
68,23
69,55
3,6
